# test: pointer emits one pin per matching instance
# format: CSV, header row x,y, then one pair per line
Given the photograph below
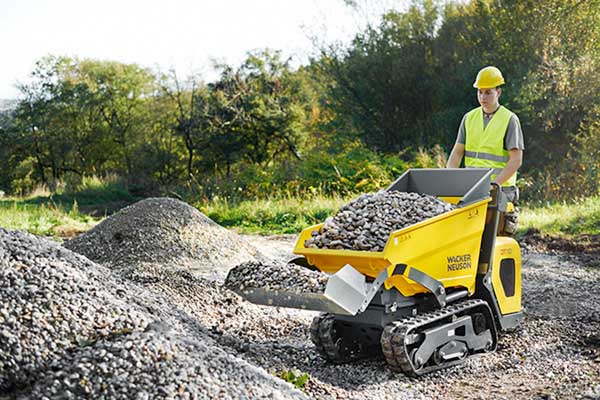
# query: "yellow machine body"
x,y
445,247
506,275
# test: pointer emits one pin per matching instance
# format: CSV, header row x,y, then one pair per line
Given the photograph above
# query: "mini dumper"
x,y
438,293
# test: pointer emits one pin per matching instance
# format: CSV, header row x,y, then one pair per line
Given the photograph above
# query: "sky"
x,y
185,35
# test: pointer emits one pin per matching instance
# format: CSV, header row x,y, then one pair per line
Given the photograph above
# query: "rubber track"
x,y
323,334
395,333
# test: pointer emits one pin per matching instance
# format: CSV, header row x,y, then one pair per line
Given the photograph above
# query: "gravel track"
x,y
71,328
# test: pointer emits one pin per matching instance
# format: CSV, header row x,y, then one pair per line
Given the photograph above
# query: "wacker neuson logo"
x,y
457,263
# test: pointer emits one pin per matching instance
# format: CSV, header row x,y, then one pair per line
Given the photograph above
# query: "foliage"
x,y
396,87
297,379
354,170
350,121
252,115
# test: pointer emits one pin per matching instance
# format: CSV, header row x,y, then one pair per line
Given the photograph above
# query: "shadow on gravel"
x,y
273,355
586,247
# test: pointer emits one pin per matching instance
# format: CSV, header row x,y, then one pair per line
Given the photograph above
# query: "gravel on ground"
x,y
152,327
71,328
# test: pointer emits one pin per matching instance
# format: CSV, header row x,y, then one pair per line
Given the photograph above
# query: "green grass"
x,y
69,212
296,378
578,218
44,219
272,216
66,212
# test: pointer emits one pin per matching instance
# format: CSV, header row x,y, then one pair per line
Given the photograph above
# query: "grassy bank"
x,y
44,219
64,215
272,216
67,212
582,217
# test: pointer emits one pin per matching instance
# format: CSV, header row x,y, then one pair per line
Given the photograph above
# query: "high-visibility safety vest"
x,y
484,148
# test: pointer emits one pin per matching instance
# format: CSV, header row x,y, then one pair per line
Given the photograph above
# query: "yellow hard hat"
x,y
489,77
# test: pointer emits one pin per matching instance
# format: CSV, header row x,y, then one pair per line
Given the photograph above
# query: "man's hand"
x,y
515,160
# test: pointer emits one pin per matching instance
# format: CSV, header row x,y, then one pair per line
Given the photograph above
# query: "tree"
x,y
255,113
85,116
385,82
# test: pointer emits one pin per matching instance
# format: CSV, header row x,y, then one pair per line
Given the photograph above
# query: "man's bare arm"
x,y
515,160
456,156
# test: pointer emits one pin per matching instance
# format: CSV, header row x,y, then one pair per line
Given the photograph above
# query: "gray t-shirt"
x,y
513,139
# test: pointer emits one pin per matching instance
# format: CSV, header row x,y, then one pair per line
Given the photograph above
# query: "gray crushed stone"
x,y
52,300
366,222
190,329
276,276
149,365
162,231
73,329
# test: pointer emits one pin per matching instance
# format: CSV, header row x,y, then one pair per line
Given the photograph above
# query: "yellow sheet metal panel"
x,y
506,275
446,247
369,263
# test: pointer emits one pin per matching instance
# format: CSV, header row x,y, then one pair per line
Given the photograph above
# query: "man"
x,y
490,136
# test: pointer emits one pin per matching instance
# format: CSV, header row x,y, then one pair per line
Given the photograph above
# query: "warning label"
x,y
460,262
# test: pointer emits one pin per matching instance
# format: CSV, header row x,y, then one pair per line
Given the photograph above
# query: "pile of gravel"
x,y
162,231
51,300
149,365
276,276
366,222
70,328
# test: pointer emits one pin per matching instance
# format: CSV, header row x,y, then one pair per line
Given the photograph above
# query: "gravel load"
x,y
366,222
276,276
162,231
